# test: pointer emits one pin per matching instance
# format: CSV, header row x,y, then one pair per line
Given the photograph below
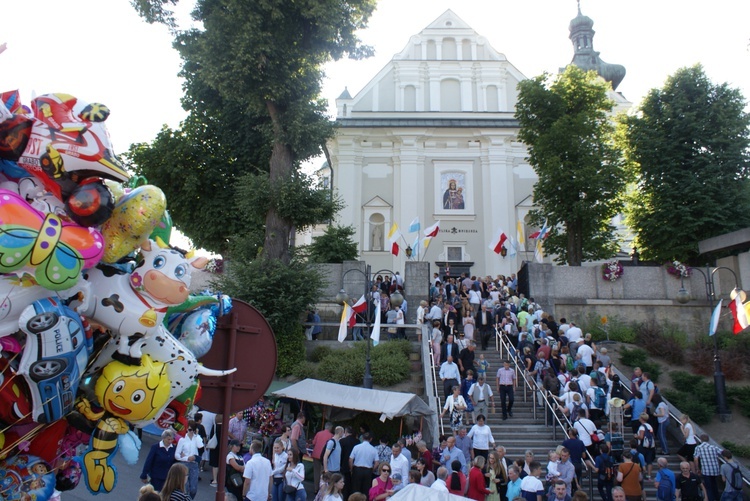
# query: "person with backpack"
x,y
629,477
646,442
730,472
665,481
606,470
596,399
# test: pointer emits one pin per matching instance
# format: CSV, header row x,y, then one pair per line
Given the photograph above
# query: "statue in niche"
x,y
376,236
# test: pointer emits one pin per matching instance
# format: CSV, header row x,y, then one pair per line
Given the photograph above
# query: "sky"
x,y
101,51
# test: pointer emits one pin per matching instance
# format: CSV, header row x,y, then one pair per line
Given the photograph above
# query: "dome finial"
x,y
579,7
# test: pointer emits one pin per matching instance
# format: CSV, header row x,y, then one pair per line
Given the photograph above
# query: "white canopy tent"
x,y
416,492
388,404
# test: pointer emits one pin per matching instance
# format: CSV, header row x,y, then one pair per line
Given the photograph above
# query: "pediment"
x,y
450,21
377,202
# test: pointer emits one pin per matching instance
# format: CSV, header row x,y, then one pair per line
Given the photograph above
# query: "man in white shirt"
x,y
586,354
399,463
450,376
439,484
574,333
480,393
188,452
258,475
482,438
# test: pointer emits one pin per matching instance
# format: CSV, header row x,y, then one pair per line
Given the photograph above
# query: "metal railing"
x,y
502,344
676,418
434,385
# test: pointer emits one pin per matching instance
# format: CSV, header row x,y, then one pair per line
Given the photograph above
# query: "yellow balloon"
x,y
135,216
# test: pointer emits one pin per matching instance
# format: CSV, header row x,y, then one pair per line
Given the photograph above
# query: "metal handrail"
x,y
677,419
501,342
435,385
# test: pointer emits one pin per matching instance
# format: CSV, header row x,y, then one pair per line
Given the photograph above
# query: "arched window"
x,y
449,49
431,50
450,95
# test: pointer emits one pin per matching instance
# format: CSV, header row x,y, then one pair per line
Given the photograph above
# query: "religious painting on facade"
x,y
453,186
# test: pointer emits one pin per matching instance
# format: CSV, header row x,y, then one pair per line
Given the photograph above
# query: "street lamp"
x,y
396,300
683,297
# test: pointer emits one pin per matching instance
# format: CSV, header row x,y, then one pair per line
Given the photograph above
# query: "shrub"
x,y
320,352
633,357
737,450
389,364
740,396
290,343
698,411
617,329
389,369
343,367
665,340
700,356
306,370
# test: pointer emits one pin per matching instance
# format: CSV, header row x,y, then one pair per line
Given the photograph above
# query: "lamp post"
x,y
396,300
683,296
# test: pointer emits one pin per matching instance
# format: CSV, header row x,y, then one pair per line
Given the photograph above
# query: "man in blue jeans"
x,y
188,452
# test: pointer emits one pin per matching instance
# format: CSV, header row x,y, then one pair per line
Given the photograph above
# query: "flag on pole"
x,y
375,336
497,243
426,242
539,252
393,237
520,236
715,319
345,316
433,230
513,247
416,245
357,309
739,313
414,225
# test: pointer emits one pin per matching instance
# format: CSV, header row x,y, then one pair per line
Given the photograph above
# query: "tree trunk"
x,y
575,243
276,244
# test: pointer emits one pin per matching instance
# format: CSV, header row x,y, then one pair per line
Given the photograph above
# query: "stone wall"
x,y
642,293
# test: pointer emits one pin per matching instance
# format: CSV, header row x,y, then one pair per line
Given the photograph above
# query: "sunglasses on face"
x,y
386,470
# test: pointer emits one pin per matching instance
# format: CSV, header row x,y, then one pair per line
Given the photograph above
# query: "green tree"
x,y
570,139
268,54
334,246
688,148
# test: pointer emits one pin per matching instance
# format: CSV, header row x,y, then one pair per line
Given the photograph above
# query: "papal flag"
x,y
520,236
393,237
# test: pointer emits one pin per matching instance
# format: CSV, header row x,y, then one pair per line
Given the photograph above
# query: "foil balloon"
x,y
133,306
69,143
194,330
130,446
135,216
163,230
25,476
43,245
69,475
127,393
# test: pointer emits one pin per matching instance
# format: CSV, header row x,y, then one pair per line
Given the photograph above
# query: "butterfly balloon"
x,y
54,251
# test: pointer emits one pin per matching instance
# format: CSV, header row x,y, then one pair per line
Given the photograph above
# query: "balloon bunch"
x,y
98,329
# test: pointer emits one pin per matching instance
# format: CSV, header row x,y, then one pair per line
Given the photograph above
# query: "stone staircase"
x,y
527,429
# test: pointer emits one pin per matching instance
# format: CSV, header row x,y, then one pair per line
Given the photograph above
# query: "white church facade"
x,y
433,136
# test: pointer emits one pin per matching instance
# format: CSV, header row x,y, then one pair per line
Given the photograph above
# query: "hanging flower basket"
x,y
678,270
612,270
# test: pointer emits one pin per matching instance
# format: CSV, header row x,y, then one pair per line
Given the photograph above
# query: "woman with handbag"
x,y
235,468
278,464
294,478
